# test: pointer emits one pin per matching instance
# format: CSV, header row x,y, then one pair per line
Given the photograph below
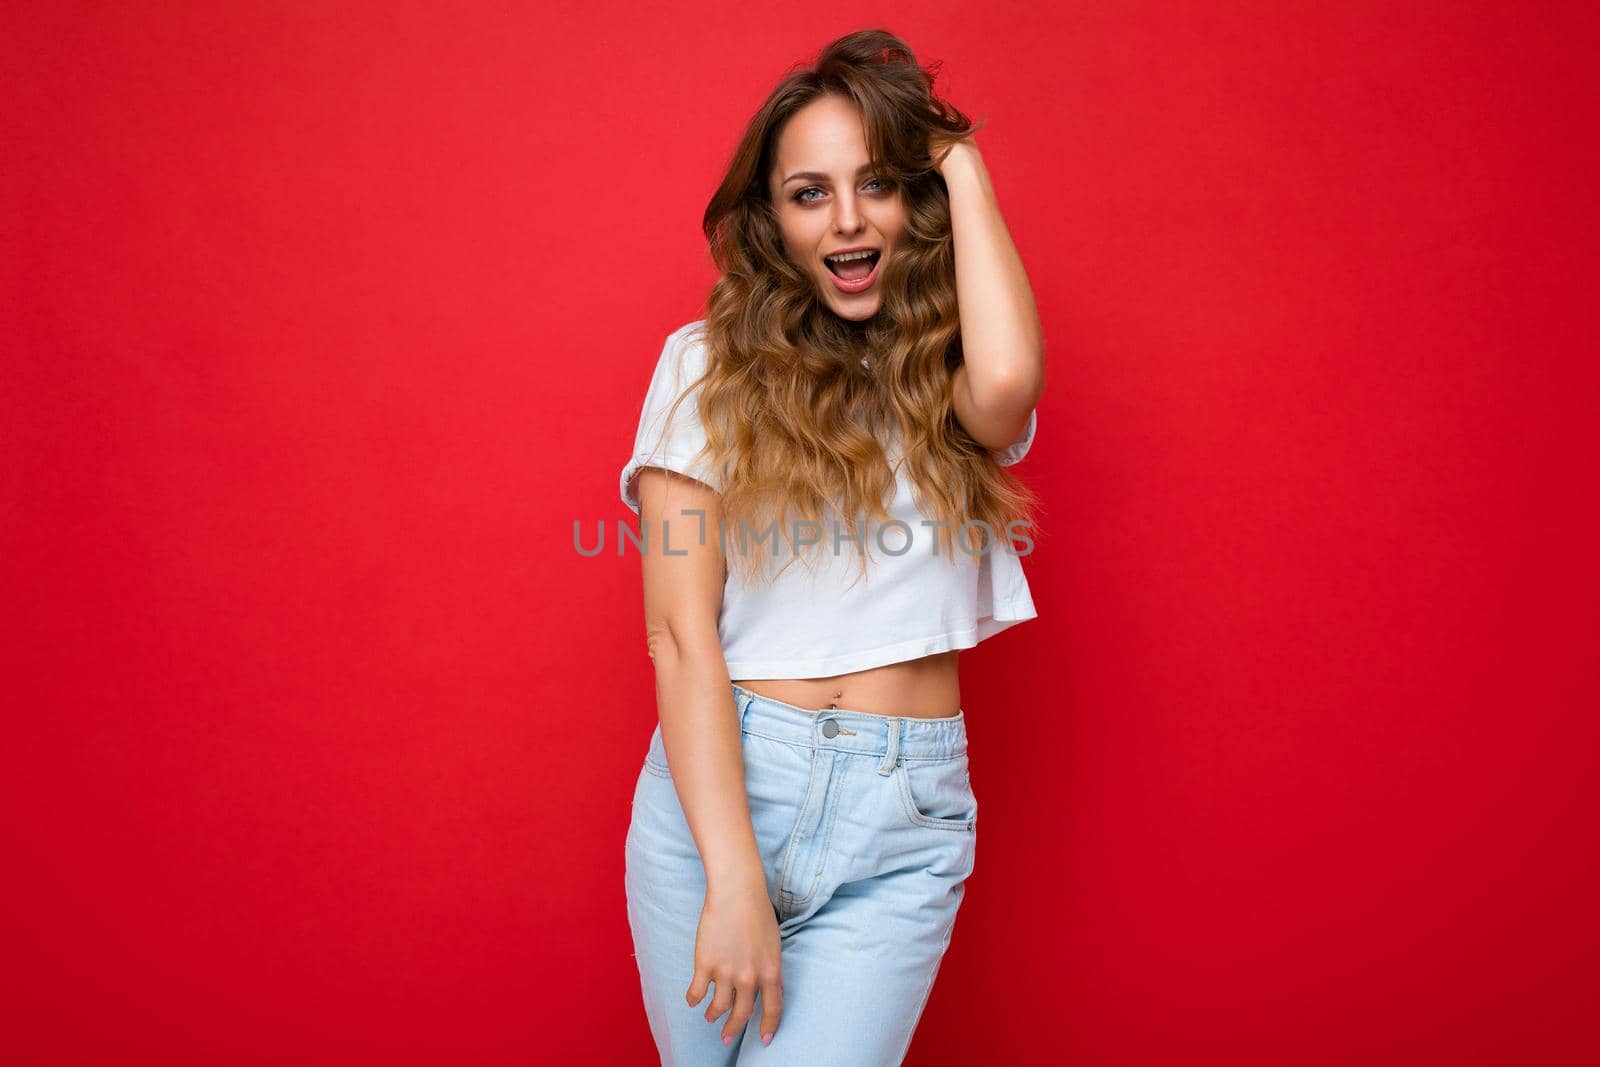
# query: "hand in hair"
x,y
966,146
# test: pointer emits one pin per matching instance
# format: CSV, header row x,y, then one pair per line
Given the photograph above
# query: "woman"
x,y
804,822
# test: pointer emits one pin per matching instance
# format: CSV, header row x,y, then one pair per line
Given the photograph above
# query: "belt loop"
x,y
892,755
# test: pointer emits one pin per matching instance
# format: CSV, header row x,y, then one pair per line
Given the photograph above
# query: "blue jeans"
x,y
867,826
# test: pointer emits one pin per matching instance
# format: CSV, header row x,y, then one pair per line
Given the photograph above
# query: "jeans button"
x,y
830,728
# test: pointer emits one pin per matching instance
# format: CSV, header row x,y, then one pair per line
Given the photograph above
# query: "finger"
x,y
771,1008
697,987
744,1006
721,1000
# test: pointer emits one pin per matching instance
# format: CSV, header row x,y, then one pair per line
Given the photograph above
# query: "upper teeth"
x,y
841,257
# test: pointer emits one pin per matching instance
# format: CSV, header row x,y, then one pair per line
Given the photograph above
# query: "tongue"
x,y
853,269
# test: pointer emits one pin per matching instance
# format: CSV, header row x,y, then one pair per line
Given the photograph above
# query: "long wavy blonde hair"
x,y
793,419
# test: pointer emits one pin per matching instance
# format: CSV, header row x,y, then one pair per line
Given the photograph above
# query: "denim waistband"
x,y
864,732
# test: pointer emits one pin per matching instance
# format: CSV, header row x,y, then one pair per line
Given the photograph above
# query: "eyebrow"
x,y
818,176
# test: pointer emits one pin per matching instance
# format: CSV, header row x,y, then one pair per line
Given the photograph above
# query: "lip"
x,y
861,284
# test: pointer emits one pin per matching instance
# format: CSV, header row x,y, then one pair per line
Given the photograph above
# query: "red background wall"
x,y
323,322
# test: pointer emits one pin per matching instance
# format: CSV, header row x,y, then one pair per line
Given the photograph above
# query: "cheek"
x,y
799,243
891,221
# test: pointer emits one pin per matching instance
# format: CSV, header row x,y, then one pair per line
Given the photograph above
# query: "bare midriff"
x,y
926,688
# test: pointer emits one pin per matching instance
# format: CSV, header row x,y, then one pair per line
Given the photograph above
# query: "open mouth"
x,y
854,266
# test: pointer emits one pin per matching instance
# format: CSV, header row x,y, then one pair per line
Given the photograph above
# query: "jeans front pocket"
x,y
937,793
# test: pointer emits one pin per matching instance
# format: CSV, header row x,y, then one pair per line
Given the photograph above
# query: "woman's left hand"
x,y
964,147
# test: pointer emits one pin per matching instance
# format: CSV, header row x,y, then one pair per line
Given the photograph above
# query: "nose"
x,y
846,216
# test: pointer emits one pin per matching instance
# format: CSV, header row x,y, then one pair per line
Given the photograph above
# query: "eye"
x,y
883,184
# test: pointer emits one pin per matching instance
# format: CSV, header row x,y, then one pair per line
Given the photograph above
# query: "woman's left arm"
x,y
1002,340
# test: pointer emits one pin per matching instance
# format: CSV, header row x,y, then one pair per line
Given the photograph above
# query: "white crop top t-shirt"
x,y
813,623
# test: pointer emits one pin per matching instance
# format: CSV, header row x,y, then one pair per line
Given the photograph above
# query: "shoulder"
x,y
683,356
690,332
690,338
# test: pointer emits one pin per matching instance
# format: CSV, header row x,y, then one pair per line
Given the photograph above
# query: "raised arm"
x,y
1002,377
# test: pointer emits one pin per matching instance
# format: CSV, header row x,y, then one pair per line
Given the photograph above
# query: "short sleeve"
x,y
1014,452
673,447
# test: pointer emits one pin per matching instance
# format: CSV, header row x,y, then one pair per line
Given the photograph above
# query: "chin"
x,y
856,314
845,308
